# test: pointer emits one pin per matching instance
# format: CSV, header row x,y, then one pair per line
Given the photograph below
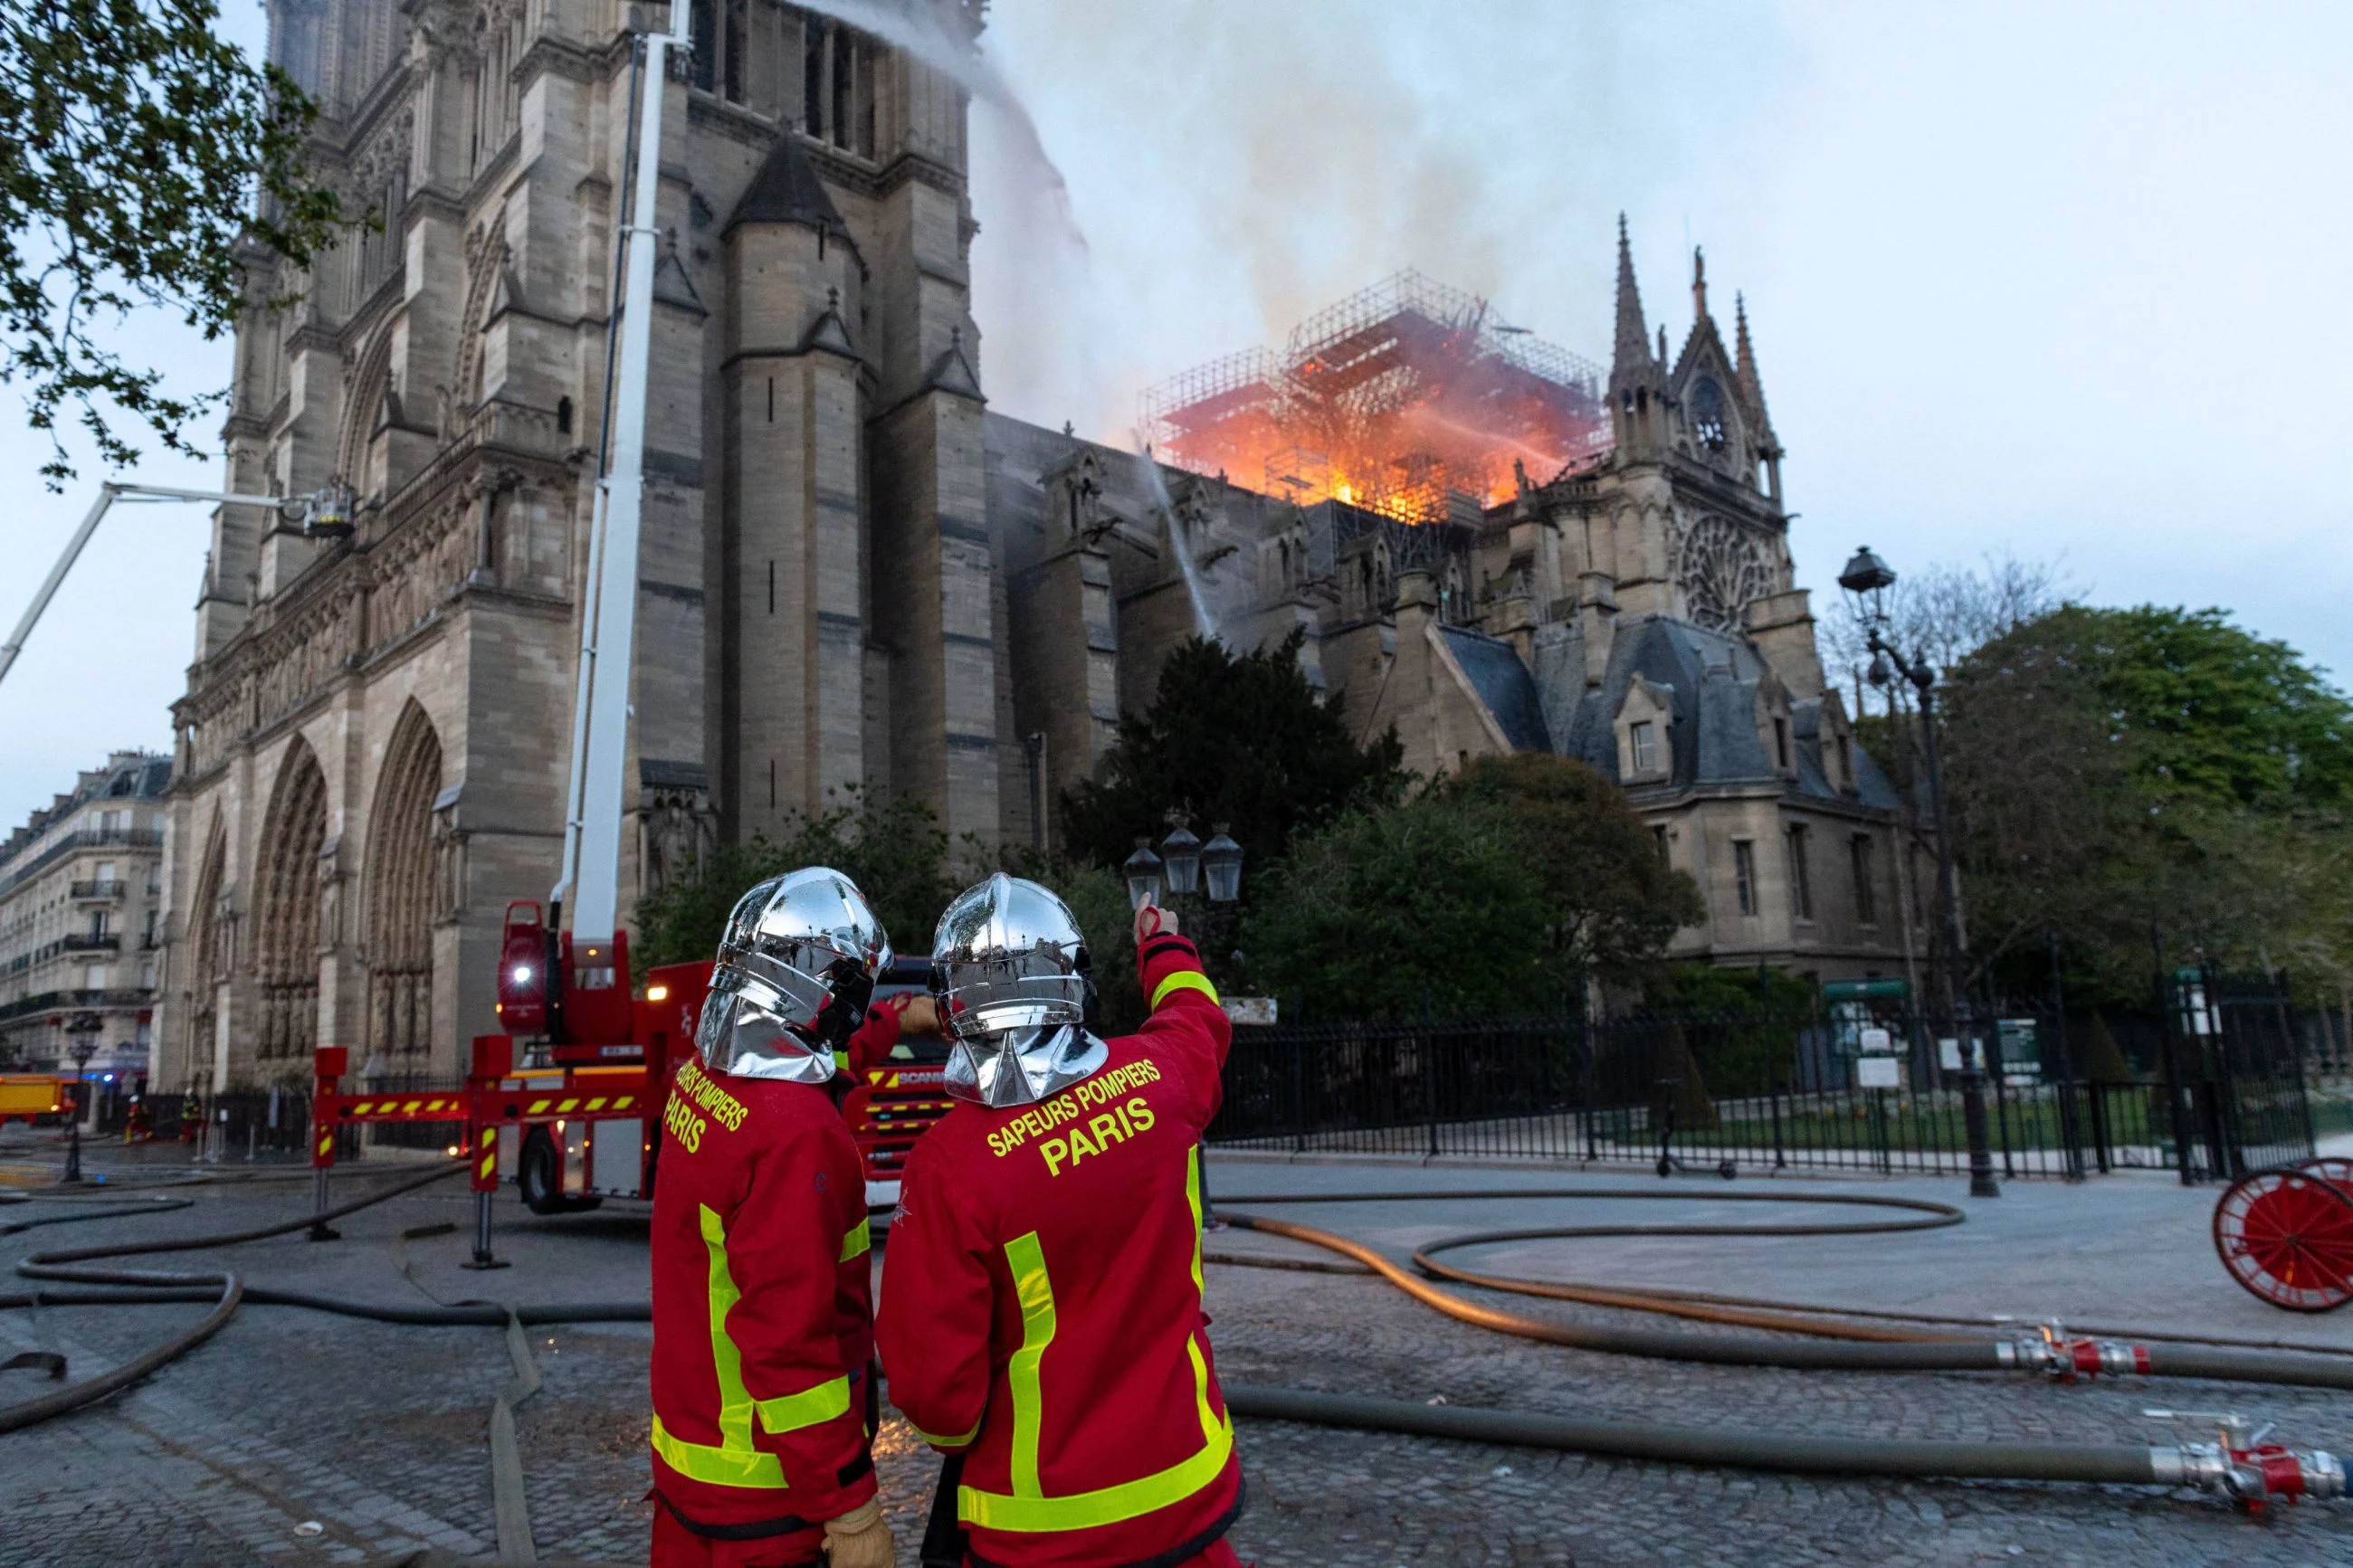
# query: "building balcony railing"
x,y
13,875
49,1001
92,941
111,888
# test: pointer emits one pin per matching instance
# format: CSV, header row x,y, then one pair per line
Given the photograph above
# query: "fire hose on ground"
x,y
2238,1465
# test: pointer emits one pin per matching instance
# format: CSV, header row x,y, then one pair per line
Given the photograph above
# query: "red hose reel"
x,y
2286,1234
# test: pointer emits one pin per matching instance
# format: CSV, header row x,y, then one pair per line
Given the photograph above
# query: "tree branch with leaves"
x,y
141,157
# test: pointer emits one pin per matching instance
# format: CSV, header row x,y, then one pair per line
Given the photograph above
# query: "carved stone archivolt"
x,y
287,915
212,944
404,892
486,259
1722,567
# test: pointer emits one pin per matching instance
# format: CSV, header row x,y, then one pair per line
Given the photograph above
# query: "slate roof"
x,y
786,190
1711,681
1503,684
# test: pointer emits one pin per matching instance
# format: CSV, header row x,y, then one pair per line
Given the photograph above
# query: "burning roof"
x,y
1394,400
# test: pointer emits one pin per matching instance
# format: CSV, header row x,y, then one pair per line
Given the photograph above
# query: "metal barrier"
x,y
1636,1091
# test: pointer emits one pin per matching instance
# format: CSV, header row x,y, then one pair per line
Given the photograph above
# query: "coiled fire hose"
x,y
2237,1465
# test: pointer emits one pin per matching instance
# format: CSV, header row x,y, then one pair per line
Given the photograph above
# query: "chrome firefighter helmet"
x,y
1009,971
795,970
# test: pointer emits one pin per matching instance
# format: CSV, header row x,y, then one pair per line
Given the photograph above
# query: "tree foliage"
x,y
893,848
1240,739
134,145
1430,904
1611,902
1502,889
2114,771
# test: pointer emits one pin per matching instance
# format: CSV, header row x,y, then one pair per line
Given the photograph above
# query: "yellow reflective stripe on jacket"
x,y
945,1441
857,1241
1084,1511
1029,1509
791,1412
734,1399
721,1467
1183,980
1209,1426
1027,1260
733,1461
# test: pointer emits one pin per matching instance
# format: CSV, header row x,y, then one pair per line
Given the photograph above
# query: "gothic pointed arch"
x,y
209,954
367,408
397,937
286,909
488,283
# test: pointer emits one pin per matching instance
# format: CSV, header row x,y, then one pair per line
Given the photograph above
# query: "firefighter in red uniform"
x,y
1041,1311
762,1331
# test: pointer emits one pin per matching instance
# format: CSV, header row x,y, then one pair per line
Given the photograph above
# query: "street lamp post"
x,y
83,1030
1185,868
1866,581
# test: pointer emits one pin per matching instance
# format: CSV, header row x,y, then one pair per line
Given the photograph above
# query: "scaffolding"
x,y
1398,399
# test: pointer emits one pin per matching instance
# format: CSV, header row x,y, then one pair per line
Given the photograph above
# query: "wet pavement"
x,y
295,1436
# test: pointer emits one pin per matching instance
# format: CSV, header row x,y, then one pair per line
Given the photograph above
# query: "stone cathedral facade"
x,y
854,573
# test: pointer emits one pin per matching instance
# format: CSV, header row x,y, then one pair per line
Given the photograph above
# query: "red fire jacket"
x,y
763,1326
1042,1301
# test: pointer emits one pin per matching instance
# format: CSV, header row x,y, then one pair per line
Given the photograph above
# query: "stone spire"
x,y
1633,352
1637,380
1744,366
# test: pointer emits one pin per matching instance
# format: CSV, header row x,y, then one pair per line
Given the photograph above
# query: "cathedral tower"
x,y
373,745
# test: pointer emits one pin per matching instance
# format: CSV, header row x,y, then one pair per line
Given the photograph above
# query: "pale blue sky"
x,y
2056,279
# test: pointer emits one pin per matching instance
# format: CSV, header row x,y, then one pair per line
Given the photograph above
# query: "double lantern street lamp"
x,y
1183,864
1866,580
84,1029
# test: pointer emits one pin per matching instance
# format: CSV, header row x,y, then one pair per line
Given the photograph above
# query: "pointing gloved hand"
x,y
918,1014
860,1539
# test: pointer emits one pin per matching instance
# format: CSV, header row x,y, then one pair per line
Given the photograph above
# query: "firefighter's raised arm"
x,y
1186,1022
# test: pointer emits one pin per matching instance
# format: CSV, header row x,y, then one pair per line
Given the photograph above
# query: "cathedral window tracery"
x,y
1707,413
1721,568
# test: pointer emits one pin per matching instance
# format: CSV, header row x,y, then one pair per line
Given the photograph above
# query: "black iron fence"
x,y
1746,1093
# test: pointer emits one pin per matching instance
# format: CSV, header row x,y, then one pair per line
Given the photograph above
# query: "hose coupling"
x,y
2244,1467
2064,1360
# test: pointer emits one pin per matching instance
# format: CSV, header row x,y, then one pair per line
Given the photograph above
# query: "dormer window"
x,y
1644,738
1781,742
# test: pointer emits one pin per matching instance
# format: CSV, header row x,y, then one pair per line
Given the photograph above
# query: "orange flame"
x,y
1403,402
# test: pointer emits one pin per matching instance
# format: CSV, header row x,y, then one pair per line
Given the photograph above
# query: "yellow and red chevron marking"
x,y
578,1105
409,1107
486,1158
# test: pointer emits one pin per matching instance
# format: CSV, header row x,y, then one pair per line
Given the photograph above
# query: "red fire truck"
x,y
573,1121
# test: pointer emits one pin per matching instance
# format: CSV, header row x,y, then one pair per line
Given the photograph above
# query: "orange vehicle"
x,y
28,1097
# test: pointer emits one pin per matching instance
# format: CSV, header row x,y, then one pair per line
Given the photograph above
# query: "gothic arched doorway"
x,y
207,958
286,922
399,937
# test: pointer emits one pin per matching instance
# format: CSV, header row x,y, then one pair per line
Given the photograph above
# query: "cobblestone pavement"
x,y
377,1433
